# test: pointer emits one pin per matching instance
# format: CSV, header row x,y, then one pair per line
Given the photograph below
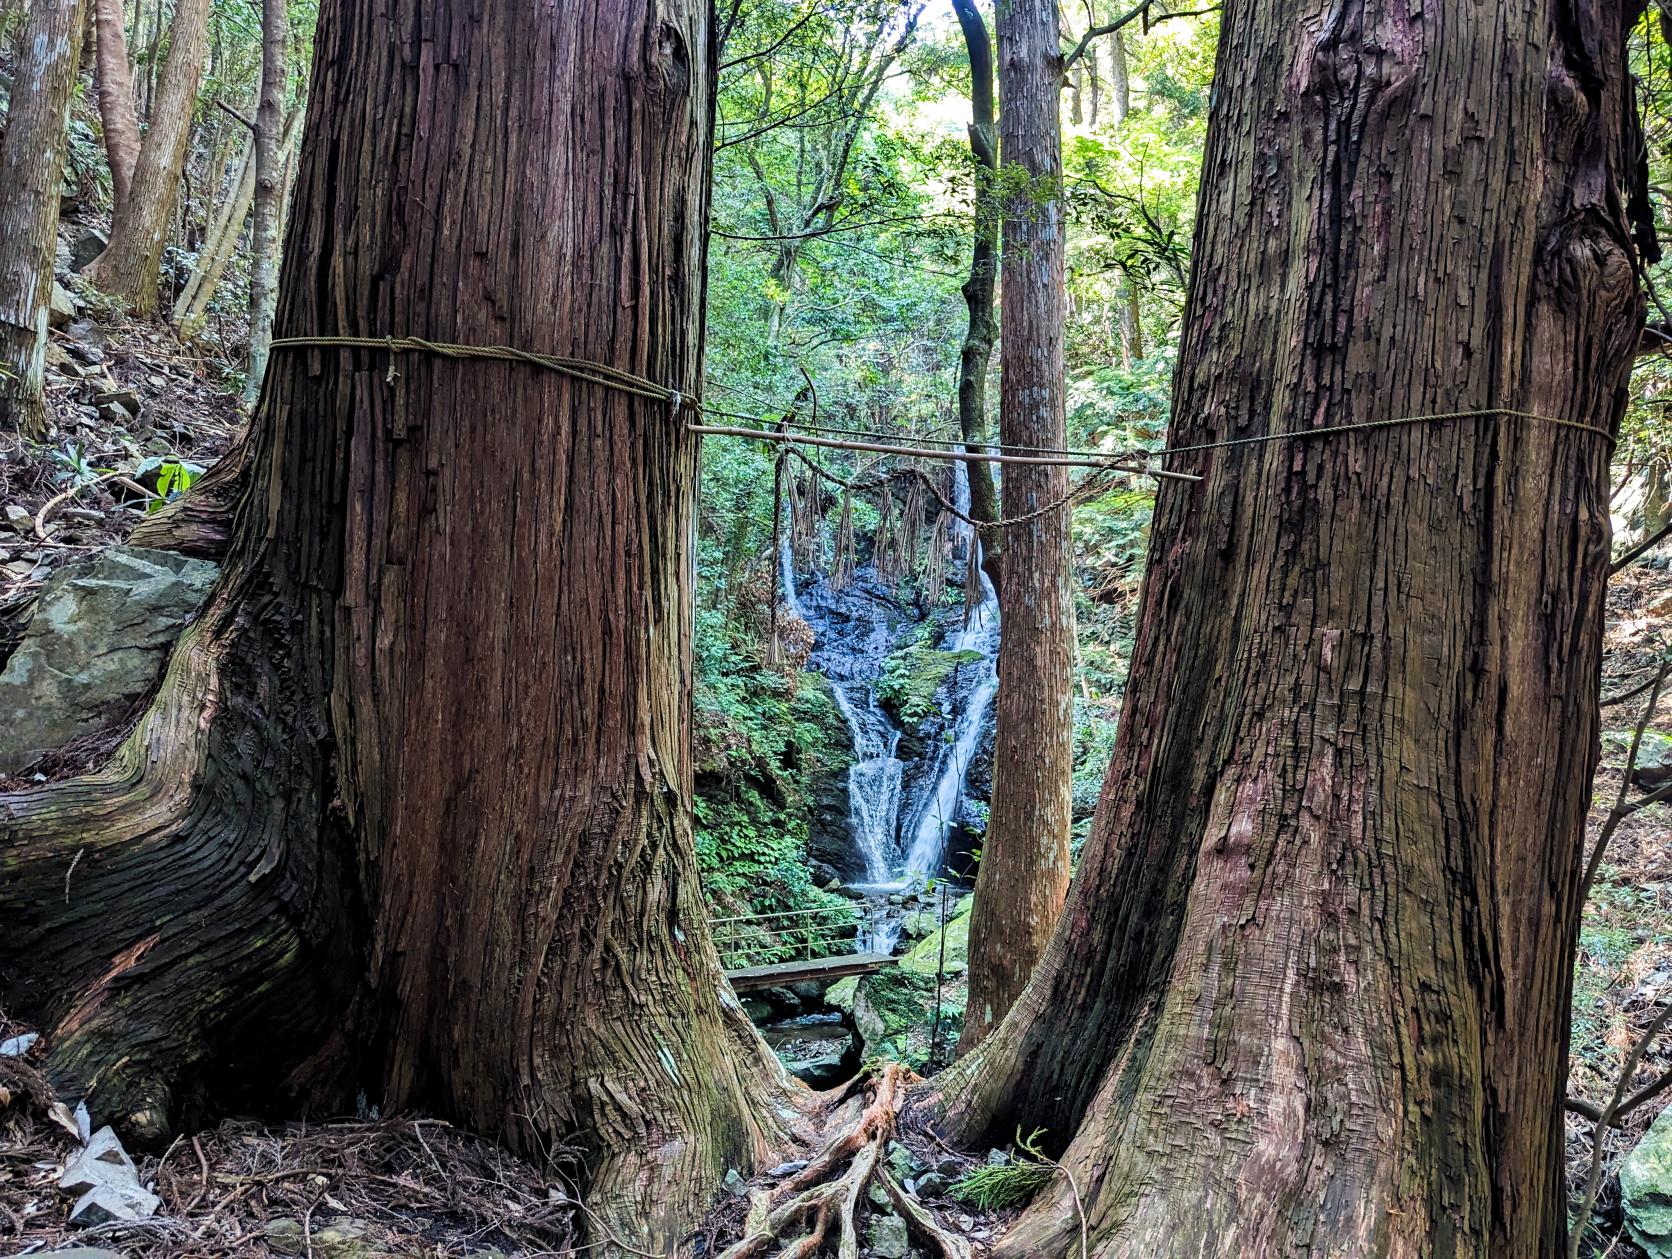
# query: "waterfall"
x,y
873,781
979,633
850,647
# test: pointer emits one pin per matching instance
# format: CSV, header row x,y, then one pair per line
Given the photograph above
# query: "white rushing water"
x,y
873,780
979,633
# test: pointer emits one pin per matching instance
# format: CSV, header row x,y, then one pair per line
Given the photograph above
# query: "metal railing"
x,y
746,940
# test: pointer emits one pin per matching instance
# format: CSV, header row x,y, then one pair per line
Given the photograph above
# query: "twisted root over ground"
x,y
826,1194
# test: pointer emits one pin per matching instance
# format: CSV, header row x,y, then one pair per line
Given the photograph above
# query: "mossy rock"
x,y
925,956
913,676
1646,1189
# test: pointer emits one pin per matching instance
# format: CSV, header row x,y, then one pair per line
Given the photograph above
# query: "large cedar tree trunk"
x,y
1024,859
977,351
1311,991
31,178
411,812
128,268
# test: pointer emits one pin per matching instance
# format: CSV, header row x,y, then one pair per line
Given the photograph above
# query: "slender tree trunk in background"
x,y
1311,992
1131,322
269,191
192,305
1094,86
117,115
191,308
128,268
31,180
1024,871
302,867
977,352
1120,81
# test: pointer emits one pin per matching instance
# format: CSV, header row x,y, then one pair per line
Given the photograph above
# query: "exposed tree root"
x,y
800,1212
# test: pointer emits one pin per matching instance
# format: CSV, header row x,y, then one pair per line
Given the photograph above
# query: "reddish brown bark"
x,y
117,115
1311,990
412,811
31,176
1024,858
128,268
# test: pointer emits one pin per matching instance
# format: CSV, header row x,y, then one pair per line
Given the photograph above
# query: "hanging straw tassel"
x,y
882,545
911,530
940,547
972,580
774,654
842,565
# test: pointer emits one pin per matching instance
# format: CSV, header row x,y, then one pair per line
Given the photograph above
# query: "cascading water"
x,y
853,638
873,780
980,633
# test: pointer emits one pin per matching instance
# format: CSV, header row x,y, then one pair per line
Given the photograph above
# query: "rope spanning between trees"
x,y
1089,486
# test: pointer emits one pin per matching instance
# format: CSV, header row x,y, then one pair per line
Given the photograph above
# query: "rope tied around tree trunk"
x,y
1105,466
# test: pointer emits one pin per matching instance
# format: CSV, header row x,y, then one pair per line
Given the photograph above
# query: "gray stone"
x,y
735,1184
788,1169
1654,761
997,1158
1646,1189
17,1046
63,306
105,1177
88,246
340,1239
126,398
888,1237
98,638
950,1168
902,1162
114,413
18,518
84,1252
931,1185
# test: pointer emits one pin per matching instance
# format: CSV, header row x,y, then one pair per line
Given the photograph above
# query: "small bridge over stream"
x,y
764,950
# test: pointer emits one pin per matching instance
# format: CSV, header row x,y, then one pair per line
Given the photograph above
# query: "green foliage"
x,y
174,478
913,676
763,740
1002,1186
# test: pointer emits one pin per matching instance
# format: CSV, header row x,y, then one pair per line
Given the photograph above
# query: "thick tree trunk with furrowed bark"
x,y
1023,875
128,268
31,177
411,811
1310,993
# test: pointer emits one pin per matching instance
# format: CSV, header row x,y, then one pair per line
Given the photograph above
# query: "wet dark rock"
x,y
88,246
